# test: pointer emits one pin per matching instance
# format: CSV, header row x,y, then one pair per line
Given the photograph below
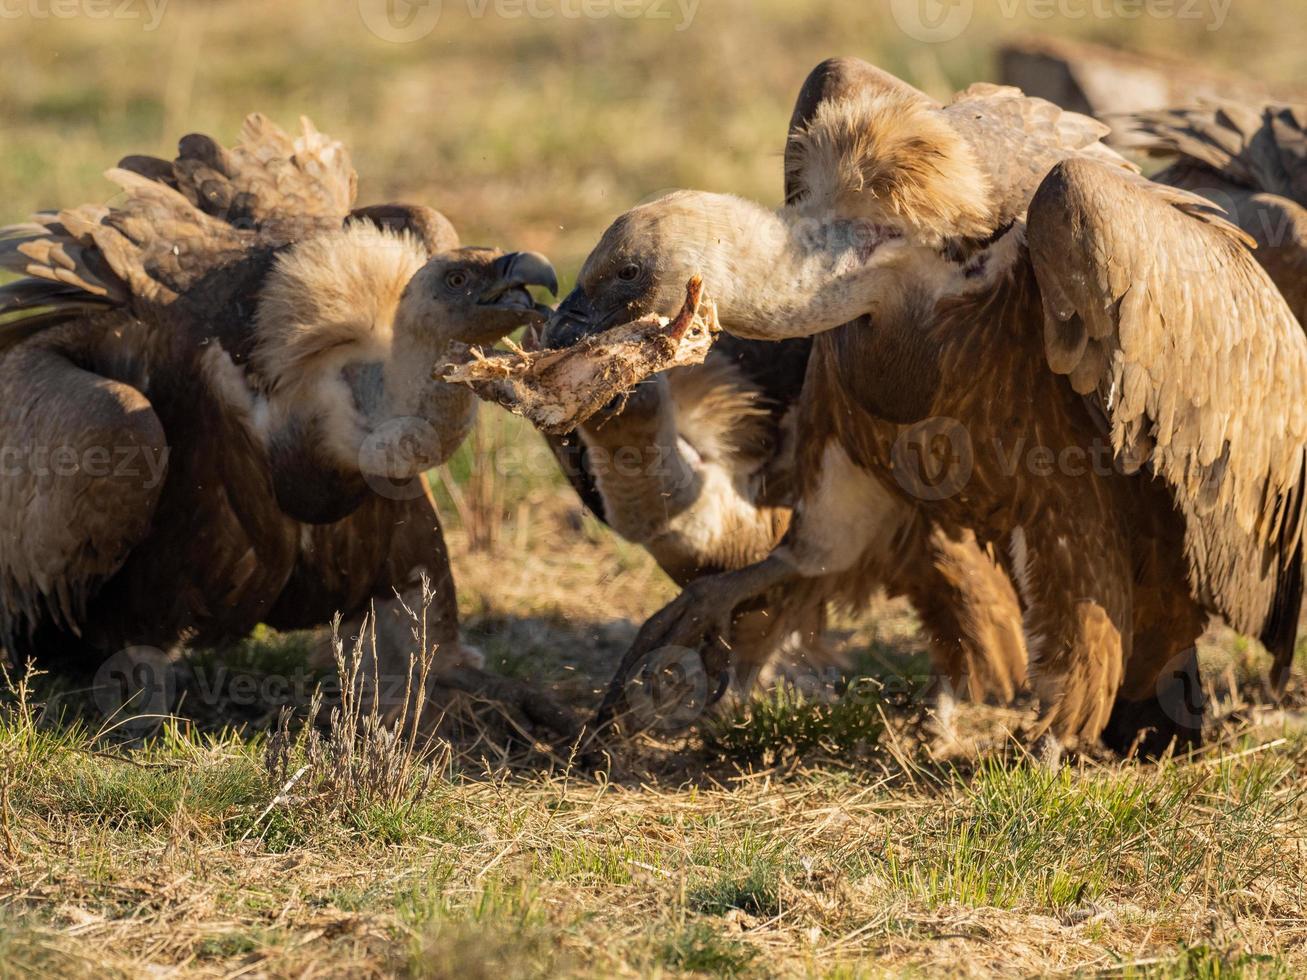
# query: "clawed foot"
x,y
677,682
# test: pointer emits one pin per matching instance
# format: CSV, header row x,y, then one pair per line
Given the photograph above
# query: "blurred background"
x,y
531,123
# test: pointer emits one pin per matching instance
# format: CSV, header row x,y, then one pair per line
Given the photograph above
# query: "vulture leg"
x,y
1079,628
82,466
1161,703
705,608
971,618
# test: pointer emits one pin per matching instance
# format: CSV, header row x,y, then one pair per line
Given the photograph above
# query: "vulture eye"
x,y
456,278
629,272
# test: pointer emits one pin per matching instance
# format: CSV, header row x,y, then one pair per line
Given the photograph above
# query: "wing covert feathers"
x,y
1155,306
173,224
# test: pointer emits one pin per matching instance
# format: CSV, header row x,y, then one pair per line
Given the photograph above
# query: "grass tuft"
x,y
700,948
786,723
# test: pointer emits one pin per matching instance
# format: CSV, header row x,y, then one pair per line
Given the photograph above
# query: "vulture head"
x,y
881,184
348,328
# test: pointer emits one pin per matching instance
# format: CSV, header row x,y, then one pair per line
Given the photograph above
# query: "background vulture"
x,y
1251,162
716,482
1028,341
216,404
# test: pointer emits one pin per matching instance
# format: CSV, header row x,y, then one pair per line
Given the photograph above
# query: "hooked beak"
x,y
574,319
514,271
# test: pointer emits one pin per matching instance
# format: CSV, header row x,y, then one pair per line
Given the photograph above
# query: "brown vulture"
x,y
1250,161
216,405
698,466
1025,340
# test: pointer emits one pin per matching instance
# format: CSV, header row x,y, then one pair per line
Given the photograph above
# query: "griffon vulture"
x,y
215,403
1027,341
699,467
1250,161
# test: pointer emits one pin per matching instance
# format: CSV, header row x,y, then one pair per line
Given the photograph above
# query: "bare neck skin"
x,y
780,274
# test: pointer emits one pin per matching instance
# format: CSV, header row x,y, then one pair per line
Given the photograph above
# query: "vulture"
x,y
1250,161
698,466
216,405
694,466
1026,341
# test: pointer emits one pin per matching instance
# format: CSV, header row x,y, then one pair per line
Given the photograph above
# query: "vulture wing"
x,y
1155,307
1019,138
1251,162
174,224
1261,149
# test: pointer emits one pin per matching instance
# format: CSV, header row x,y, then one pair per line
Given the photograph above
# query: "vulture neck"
x,y
781,274
642,467
410,422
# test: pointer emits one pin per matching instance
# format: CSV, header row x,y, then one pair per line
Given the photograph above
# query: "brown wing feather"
x,y
284,187
173,225
1194,357
1263,148
1252,162
1020,138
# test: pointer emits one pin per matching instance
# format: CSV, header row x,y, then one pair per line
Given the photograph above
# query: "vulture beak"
x,y
573,320
513,272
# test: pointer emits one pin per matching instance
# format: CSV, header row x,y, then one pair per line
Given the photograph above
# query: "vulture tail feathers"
x,y
1280,633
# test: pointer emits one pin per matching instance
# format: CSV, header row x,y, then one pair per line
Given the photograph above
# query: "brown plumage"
x,y
1097,379
216,400
1102,81
1252,162
700,468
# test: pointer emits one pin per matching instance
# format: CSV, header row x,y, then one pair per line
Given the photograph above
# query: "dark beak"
x,y
513,272
574,319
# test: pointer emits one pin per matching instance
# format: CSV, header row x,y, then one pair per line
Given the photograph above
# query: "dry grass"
x,y
801,839
1175,870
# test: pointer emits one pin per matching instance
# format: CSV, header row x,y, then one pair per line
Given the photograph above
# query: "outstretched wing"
x,y
172,225
1155,307
1252,162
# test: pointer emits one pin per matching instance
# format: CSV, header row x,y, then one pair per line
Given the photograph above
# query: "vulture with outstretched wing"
x,y
216,405
699,467
1250,161
1029,342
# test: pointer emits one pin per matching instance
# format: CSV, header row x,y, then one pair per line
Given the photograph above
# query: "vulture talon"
x,y
703,609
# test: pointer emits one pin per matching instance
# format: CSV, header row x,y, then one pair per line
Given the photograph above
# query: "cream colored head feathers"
x,y
891,158
336,290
